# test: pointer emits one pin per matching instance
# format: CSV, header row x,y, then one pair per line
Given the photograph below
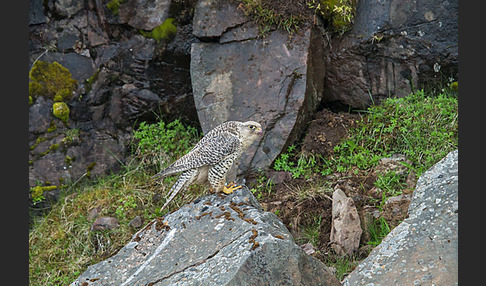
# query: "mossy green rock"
x,y
61,110
51,80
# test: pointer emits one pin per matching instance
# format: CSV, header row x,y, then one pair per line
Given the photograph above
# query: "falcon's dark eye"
x,y
252,126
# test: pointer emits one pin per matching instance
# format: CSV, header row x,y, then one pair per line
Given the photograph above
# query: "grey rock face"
x,y
423,249
216,240
213,17
36,12
393,46
145,14
68,8
275,80
122,78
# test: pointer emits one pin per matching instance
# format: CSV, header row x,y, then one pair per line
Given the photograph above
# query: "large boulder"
x,y
276,80
216,240
393,47
423,249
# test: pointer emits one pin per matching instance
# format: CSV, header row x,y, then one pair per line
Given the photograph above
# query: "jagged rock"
x,y
36,12
423,249
39,116
346,225
394,46
67,8
79,66
395,208
93,213
213,17
216,240
276,80
136,222
104,223
144,14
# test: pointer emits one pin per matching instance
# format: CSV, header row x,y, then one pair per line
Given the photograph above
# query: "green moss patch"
x,y
37,193
51,80
164,31
114,6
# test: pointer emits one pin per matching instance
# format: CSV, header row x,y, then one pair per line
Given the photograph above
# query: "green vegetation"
x,y
340,13
304,167
378,229
342,264
51,80
391,184
312,232
161,142
61,245
114,6
71,135
91,80
268,17
423,128
37,193
263,186
52,127
164,31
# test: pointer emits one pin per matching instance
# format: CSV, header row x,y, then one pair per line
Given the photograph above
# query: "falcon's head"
x,y
249,131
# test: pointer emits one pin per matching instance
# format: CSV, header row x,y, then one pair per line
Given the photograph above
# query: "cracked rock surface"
x,y
277,80
216,240
423,249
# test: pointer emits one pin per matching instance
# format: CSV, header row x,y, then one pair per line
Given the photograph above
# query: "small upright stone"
x,y
346,225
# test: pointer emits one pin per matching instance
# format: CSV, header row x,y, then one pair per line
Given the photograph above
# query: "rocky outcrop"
x,y
394,46
423,249
276,80
123,78
216,240
234,72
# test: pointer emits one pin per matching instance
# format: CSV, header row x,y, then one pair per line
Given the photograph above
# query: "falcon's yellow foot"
x,y
230,188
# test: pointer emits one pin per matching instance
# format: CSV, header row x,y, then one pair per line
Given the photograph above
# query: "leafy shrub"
x,y
304,167
163,143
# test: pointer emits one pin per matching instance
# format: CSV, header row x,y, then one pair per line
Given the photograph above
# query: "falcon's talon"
x,y
231,187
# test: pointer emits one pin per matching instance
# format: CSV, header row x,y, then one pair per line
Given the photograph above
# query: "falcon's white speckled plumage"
x,y
212,157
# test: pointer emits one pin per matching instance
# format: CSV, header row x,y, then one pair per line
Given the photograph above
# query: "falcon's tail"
x,y
184,181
